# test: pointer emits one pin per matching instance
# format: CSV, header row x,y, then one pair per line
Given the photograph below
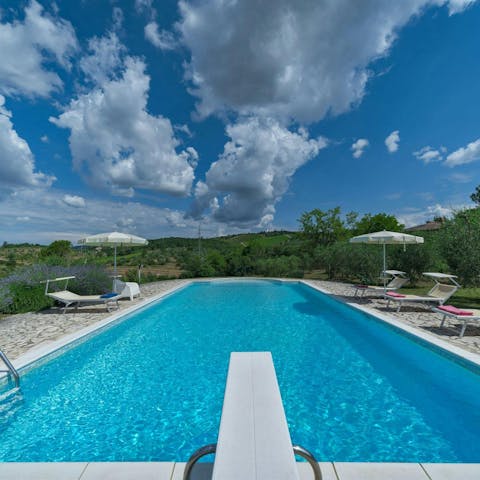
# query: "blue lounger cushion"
x,y
109,295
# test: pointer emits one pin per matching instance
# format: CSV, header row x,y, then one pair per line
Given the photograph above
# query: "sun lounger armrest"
x,y
126,289
58,279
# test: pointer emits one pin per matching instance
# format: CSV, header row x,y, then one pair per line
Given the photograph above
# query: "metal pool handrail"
x,y
11,369
212,448
308,456
196,456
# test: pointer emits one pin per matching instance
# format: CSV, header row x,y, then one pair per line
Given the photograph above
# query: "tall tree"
x,y
475,196
58,248
322,228
374,223
460,245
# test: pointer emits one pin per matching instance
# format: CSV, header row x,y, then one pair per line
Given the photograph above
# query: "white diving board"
x,y
254,441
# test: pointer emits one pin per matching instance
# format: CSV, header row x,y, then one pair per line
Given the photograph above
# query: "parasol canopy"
x,y
387,238
113,239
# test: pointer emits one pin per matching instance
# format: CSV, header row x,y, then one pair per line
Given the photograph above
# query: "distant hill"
x,y
162,256
263,238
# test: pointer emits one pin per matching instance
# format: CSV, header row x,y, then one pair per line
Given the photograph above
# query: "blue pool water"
x,y
151,387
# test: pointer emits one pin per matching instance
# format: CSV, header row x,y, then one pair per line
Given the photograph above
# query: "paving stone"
x,y
128,471
452,471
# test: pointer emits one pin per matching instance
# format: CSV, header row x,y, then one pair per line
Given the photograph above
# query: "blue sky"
x,y
152,116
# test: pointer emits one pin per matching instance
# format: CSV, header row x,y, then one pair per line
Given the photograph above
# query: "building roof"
x,y
432,225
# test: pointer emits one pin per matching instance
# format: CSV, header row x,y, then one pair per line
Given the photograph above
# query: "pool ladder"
x,y
10,369
212,448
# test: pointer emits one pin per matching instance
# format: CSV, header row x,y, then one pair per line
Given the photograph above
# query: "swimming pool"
x,y
151,387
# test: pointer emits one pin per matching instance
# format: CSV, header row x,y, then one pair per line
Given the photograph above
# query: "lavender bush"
x,y
23,292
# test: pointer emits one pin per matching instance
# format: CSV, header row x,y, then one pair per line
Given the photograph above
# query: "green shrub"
x,y
284,266
413,260
24,292
460,245
90,280
27,298
344,261
131,275
57,253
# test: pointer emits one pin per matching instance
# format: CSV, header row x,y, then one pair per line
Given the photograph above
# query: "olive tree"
x,y
460,245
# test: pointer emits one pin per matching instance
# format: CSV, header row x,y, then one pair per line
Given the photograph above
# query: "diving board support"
x,y
253,441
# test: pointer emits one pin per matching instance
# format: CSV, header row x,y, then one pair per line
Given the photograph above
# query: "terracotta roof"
x,y
425,226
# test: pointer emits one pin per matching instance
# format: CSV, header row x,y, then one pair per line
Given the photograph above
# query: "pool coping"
x,y
335,470
174,471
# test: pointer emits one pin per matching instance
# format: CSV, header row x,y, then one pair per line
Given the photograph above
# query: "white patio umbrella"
x,y
386,238
113,239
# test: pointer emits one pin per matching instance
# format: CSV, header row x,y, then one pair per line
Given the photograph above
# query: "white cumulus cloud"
x,y
116,144
359,147
253,172
457,6
105,59
74,201
117,18
460,178
27,45
428,154
420,216
297,60
392,141
468,154
17,163
162,39
143,5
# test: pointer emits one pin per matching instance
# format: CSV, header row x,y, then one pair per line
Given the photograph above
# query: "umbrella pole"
x,y
384,267
114,268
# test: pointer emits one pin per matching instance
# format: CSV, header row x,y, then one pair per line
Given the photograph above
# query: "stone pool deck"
x,y
34,332
203,471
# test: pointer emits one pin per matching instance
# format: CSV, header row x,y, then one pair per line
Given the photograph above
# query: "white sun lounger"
x,y
70,299
397,281
472,315
253,440
438,295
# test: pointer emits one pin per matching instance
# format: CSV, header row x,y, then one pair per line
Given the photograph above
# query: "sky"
x,y
163,118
